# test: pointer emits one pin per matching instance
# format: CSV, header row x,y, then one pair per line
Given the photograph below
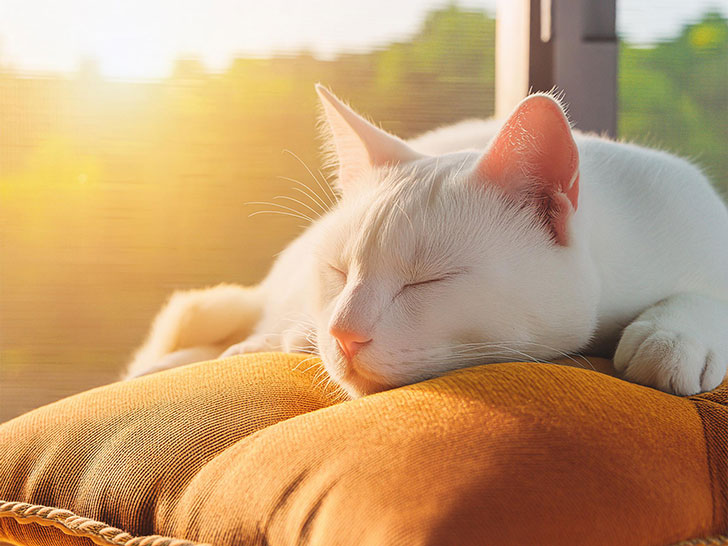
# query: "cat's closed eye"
x,y
409,287
431,281
421,283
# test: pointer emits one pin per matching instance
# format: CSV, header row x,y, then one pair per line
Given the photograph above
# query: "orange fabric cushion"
x,y
254,450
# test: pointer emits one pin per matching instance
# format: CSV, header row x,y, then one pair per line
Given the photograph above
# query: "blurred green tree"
x,y
674,95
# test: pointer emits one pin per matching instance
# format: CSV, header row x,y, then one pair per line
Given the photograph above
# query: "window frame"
x,y
567,45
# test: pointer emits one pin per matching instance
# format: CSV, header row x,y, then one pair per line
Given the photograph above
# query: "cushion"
x,y
260,449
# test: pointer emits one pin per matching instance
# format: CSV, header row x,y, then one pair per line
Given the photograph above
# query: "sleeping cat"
x,y
478,243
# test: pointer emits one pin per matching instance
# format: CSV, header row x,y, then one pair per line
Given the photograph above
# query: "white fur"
x,y
197,325
648,251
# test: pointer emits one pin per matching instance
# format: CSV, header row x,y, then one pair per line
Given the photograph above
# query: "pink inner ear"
x,y
535,151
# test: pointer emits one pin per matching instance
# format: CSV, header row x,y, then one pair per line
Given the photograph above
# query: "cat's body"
x,y
437,270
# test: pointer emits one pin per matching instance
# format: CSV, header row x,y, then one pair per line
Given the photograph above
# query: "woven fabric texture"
x,y
255,450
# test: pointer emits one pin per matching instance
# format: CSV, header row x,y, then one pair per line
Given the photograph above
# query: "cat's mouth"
x,y
355,377
357,384
363,379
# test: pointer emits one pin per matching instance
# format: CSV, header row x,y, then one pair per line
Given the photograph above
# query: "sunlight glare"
x,y
133,39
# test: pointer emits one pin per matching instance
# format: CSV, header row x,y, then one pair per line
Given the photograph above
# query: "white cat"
x,y
547,242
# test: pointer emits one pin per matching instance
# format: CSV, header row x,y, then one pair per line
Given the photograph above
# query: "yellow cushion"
x,y
256,450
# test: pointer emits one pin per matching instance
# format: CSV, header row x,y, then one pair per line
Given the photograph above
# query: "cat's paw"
x,y
255,344
669,360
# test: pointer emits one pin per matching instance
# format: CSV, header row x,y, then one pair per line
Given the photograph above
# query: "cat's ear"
x,y
534,157
357,144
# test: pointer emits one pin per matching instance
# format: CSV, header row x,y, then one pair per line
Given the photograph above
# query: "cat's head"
x,y
431,263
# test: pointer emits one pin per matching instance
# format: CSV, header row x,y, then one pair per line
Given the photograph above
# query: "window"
x,y
129,150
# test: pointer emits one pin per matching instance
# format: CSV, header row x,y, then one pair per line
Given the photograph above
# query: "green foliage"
x,y
675,95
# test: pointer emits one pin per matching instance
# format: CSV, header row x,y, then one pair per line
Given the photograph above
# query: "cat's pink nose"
x,y
349,342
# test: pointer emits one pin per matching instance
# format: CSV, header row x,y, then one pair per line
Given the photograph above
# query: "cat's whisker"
x,y
334,389
259,212
559,352
281,211
297,366
502,355
302,162
329,382
324,187
310,367
475,358
319,384
476,353
322,383
308,359
523,354
307,347
337,393
317,213
311,194
283,207
565,355
323,210
318,378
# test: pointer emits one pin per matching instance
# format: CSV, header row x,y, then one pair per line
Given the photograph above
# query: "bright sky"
x,y
142,38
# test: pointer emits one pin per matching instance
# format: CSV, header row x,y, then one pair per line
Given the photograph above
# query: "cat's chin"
x,y
356,384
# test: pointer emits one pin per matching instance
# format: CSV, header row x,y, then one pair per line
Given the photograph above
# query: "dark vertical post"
x,y
572,46
585,61
541,51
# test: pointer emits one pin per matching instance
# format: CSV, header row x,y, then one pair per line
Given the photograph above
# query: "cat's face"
x,y
423,268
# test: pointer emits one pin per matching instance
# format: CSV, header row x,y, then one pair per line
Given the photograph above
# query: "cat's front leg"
x,y
258,343
679,345
293,340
